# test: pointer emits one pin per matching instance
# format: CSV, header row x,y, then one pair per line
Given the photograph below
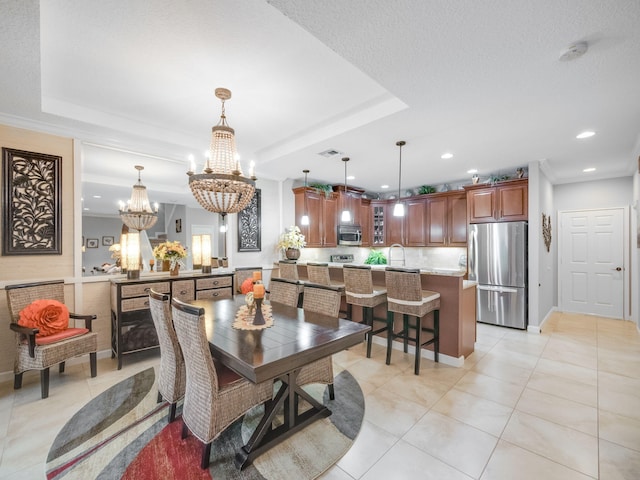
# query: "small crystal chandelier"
x,y
137,214
222,187
398,208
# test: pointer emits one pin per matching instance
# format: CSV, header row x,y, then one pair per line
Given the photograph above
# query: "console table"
x,y
132,328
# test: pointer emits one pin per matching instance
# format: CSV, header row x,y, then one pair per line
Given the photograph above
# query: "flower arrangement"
x,y
172,251
292,238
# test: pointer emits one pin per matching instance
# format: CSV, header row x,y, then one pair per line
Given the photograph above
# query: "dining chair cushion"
x,y
48,316
57,337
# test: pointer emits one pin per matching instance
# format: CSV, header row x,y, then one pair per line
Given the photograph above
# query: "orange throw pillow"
x,y
49,316
247,286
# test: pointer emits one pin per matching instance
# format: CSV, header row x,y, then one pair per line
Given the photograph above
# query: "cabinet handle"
x,y
216,282
146,304
147,290
183,292
215,294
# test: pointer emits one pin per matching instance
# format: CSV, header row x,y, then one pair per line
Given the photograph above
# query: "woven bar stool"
x,y
318,273
405,296
360,290
289,271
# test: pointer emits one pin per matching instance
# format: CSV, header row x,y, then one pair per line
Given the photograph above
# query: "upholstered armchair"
x,y
43,335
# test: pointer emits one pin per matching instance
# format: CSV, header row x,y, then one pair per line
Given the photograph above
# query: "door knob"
x,y
617,269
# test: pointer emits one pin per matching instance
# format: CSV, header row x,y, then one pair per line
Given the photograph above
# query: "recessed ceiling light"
x,y
473,170
587,170
384,186
585,134
446,156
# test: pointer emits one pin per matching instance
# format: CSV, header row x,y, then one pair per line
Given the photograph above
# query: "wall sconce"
x,y
196,251
133,255
206,253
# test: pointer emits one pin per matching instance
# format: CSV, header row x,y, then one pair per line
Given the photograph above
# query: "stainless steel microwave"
x,y
349,235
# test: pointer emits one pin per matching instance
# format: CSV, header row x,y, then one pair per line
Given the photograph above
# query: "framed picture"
x,y
107,241
32,212
92,243
249,226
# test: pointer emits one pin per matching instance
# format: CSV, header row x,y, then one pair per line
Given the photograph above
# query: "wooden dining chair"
x,y
323,299
215,396
172,376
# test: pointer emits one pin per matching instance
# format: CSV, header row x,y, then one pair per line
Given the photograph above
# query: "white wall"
x,y
546,262
614,192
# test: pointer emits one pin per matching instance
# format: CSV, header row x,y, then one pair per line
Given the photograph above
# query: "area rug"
x,y
123,434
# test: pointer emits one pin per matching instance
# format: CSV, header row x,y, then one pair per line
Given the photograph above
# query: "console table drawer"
x,y
215,282
132,304
216,293
182,290
139,289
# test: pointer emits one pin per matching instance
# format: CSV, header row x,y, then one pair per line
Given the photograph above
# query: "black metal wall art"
x,y
249,226
31,216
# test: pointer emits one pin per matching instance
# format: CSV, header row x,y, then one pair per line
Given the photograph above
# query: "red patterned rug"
x,y
123,434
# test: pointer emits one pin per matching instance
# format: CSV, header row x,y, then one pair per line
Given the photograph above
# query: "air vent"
x,y
330,153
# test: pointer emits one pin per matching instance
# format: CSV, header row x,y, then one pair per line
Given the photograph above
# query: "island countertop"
x,y
426,270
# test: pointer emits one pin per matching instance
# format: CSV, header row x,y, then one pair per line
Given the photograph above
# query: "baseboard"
x,y
538,328
428,354
8,376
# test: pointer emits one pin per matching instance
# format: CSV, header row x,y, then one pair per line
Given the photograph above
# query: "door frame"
x,y
626,255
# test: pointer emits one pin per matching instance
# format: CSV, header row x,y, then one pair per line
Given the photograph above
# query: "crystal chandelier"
x,y
222,187
137,214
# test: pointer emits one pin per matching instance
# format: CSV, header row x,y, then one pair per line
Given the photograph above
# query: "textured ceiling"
x,y
481,80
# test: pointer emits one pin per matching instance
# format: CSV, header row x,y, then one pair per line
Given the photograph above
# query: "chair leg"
x,y
349,311
172,412
17,381
390,335
159,398
367,313
93,363
61,367
44,382
418,346
332,393
206,453
184,430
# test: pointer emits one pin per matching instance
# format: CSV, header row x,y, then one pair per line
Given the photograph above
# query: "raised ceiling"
x,y
481,80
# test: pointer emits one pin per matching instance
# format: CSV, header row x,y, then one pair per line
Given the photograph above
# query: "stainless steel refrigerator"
x,y
498,263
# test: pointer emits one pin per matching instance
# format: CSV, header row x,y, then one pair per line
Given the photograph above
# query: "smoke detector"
x,y
574,51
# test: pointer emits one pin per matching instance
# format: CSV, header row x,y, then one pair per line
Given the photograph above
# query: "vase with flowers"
x,y
291,242
171,254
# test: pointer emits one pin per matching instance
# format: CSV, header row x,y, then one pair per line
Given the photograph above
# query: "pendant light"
x,y
346,215
305,215
398,208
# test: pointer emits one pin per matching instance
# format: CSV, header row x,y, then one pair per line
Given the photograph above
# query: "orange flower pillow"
x,y
247,286
50,316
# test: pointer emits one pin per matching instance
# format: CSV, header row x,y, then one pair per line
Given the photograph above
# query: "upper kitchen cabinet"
x,y
378,210
323,214
446,224
504,202
394,226
415,224
349,200
366,218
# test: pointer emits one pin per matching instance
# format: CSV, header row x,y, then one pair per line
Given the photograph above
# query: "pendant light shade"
x,y
398,208
305,215
346,214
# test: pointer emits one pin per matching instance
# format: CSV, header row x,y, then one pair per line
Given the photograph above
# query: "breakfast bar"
x,y
457,307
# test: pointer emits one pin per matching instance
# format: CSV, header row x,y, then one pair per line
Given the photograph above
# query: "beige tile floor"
x,y
561,405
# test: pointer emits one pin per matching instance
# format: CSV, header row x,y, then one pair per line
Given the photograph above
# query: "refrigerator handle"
x,y
474,248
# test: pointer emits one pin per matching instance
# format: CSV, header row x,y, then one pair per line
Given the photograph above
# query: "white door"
x,y
591,262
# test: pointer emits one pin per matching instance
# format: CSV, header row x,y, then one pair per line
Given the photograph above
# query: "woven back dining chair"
x,y
318,273
323,299
284,291
405,296
360,290
172,376
242,273
215,396
37,352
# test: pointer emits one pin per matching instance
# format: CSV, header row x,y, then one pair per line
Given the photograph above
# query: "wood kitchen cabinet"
x,y
323,215
394,226
351,200
365,219
446,224
378,216
505,202
415,222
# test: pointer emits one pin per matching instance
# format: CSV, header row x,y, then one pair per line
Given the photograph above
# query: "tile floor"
x,y
561,405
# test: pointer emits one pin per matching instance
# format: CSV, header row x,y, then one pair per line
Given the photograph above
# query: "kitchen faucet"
x,y
396,245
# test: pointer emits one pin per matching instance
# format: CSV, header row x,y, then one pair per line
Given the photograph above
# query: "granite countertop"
x,y
451,272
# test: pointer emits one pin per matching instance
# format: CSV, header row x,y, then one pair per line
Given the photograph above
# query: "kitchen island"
x,y
457,308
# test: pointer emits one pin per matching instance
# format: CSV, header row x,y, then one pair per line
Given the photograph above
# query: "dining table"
x,y
277,353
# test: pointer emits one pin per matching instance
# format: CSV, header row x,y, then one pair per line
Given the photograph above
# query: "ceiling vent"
x,y
330,153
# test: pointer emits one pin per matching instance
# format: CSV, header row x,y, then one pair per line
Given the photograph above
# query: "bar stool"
x,y
289,271
405,296
360,290
318,273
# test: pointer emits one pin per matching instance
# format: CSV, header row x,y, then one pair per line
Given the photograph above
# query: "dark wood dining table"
x,y
296,338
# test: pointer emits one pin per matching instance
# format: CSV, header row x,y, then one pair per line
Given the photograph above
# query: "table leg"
x,y
265,437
